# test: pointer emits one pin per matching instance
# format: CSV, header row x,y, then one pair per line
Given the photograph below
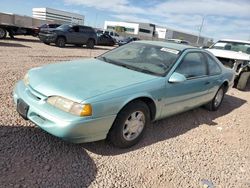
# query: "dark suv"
x,y
70,34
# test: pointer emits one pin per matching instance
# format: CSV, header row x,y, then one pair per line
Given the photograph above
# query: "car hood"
x,y
47,29
50,31
229,54
82,79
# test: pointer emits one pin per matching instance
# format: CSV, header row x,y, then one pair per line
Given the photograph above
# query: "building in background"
x,y
143,30
192,38
57,16
155,32
160,32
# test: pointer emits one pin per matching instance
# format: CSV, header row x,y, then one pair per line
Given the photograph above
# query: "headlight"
x,y
70,106
26,79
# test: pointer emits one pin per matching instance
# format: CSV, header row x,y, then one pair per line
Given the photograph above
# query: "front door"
x,y
73,35
191,92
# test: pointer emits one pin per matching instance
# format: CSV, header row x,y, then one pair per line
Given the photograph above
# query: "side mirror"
x,y
71,30
177,78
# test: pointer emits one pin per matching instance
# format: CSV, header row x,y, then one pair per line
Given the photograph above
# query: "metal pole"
x,y
200,29
95,20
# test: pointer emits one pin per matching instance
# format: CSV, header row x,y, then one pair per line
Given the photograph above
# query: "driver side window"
x,y
75,28
193,65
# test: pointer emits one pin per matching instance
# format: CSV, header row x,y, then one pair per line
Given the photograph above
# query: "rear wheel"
x,y
215,103
111,43
11,34
60,42
129,125
90,43
3,33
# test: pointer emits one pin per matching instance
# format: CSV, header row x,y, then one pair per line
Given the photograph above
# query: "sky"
x,y
222,18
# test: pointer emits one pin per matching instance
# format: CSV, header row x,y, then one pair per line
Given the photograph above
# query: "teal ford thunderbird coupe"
x,y
115,96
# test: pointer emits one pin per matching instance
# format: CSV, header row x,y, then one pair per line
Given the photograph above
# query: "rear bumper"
x,y
61,124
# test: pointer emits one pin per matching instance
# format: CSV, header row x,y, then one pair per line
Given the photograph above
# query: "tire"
x,y
242,82
129,125
60,42
3,33
112,44
90,44
11,34
215,103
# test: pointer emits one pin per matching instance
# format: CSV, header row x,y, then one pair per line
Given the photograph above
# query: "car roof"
x,y
230,40
175,46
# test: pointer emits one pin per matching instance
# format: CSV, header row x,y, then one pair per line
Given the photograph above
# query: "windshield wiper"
x,y
128,66
150,72
143,70
113,62
103,58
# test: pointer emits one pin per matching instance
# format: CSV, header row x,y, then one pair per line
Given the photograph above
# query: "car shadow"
x,y
29,157
84,47
36,39
171,127
13,45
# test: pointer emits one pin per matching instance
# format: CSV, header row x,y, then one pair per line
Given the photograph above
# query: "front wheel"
x,y
217,100
60,42
129,125
242,82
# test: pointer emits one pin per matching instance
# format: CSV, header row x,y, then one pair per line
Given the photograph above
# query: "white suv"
x,y
236,55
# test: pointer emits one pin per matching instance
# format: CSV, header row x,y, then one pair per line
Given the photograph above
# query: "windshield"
x,y
64,27
232,46
151,59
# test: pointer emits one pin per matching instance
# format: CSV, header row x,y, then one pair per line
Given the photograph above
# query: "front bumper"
x,y
48,38
59,123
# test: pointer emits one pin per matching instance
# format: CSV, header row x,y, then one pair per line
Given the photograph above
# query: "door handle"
x,y
206,83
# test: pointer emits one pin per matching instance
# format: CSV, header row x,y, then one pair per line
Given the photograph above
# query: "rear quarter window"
x,y
213,67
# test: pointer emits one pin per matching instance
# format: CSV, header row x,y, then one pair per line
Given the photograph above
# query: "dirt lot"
x,y
175,152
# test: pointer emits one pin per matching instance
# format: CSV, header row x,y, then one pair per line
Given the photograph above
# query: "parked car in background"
x,y
45,27
118,94
105,39
179,41
70,34
127,40
113,34
236,55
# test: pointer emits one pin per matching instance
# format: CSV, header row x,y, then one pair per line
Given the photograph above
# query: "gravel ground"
x,y
178,151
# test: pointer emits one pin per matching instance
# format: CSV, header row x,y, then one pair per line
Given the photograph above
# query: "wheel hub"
x,y
133,125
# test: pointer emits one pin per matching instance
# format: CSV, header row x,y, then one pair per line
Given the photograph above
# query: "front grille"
x,y
32,95
35,94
